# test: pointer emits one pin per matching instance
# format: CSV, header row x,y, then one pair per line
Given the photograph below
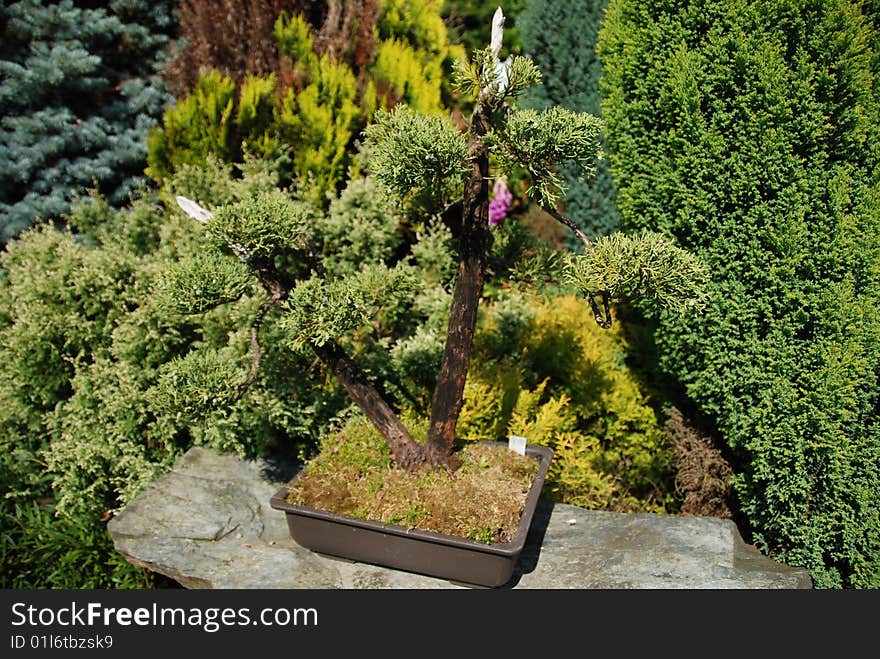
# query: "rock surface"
x,y
208,524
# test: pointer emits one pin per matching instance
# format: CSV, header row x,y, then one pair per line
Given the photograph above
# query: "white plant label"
x,y
517,444
195,211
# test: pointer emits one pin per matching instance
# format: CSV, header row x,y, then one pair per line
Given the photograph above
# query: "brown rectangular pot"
x,y
424,552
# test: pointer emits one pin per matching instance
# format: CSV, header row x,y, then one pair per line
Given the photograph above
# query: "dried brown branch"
x,y
703,475
236,37
233,36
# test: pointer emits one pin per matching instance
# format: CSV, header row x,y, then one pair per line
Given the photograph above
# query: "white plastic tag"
x,y
517,444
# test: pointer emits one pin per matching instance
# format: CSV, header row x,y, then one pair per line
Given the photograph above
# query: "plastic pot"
x,y
424,552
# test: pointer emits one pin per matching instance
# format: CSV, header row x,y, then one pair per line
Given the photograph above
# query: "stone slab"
x,y
207,524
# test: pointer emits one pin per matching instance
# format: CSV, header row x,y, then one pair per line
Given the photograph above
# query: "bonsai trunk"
x,y
448,398
474,242
406,451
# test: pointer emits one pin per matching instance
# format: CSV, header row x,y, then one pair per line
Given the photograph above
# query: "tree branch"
x,y
256,350
406,451
603,315
559,217
603,320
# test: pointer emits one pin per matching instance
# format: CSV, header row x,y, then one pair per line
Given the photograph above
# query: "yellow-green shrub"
x,y
307,114
402,73
560,380
321,121
256,101
195,128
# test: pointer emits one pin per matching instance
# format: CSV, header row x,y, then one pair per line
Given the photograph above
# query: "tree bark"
x,y
407,453
474,243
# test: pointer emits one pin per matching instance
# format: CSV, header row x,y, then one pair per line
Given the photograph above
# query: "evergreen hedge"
x,y
749,131
88,345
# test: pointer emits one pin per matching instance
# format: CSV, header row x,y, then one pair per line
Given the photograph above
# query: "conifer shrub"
x,y
305,106
546,371
95,359
204,122
561,36
79,90
319,121
748,131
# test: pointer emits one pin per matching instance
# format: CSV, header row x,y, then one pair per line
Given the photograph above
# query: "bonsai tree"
x,y
427,161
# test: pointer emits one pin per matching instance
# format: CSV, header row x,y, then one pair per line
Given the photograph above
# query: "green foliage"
x,y
470,77
415,155
319,310
36,548
294,37
420,23
561,36
254,116
120,383
400,70
645,265
545,371
196,127
356,283
520,73
748,131
527,261
419,20
416,360
216,183
320,121
201,381
79,92
97,373
541,141
204,282
433,254
488,77
361,227
262,225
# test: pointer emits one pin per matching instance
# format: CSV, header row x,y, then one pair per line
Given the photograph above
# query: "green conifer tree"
x,y
749,131
561,36
79,92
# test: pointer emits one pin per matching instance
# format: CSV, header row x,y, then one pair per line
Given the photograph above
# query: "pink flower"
x,y
502,198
